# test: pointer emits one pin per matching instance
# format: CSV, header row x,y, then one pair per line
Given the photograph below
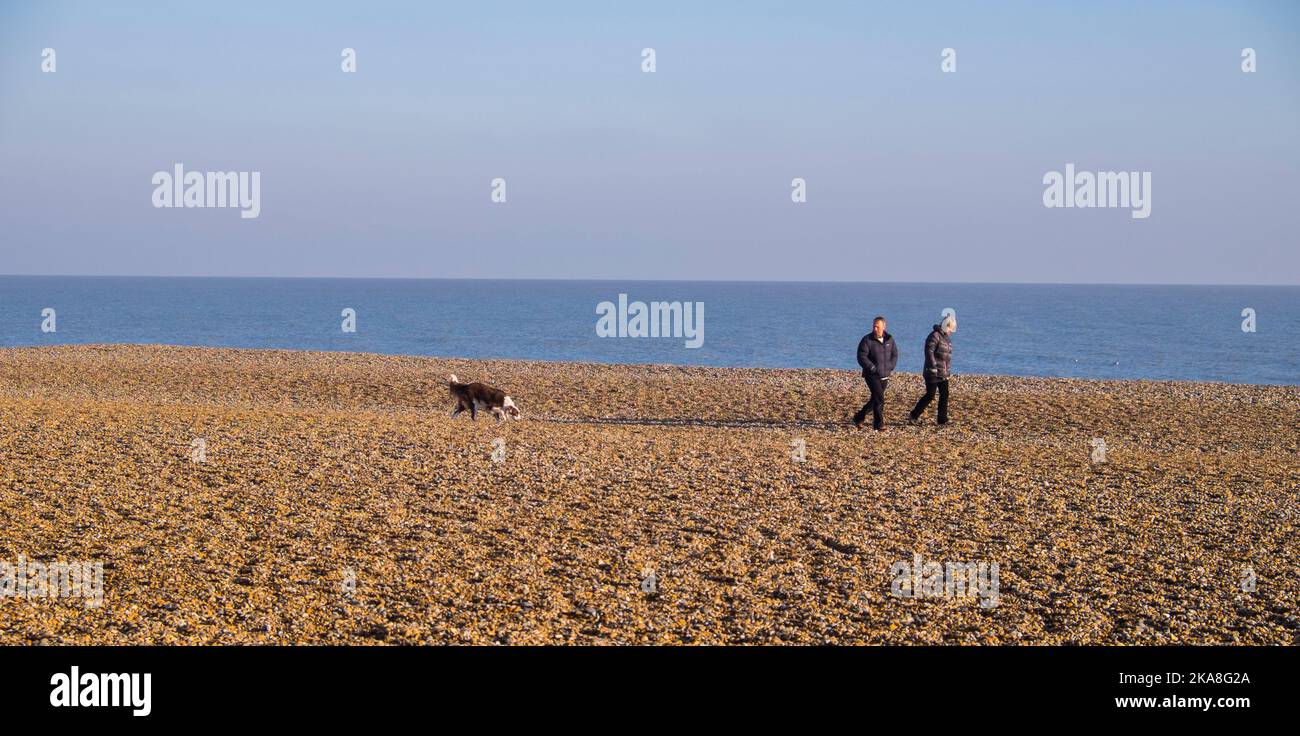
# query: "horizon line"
x,y
652,280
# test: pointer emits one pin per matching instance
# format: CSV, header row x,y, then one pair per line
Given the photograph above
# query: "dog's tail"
x,y
452,379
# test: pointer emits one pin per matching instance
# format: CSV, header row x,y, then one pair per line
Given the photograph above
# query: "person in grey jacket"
x,y
938,368
877,354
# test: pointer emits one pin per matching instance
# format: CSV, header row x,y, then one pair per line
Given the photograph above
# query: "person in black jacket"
x,y
938,367
877,354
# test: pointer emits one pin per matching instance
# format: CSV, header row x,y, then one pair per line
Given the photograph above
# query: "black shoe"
x,y
913,421
857,421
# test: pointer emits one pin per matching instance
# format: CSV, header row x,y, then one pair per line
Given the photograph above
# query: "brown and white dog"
x,y
480,397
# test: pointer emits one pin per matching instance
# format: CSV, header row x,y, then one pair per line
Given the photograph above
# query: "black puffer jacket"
x,y
938,355
877,357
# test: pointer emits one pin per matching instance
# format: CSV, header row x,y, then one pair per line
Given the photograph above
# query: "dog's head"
x,y
509,407
452,378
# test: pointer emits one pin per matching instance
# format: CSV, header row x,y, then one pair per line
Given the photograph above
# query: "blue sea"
x,y
1085,331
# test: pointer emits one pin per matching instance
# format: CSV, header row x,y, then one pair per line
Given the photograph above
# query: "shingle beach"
x,y
335,501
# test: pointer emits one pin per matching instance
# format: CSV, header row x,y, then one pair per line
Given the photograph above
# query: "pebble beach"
x,y
280,497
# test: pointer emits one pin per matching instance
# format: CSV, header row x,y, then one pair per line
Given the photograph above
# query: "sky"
x,y
912,173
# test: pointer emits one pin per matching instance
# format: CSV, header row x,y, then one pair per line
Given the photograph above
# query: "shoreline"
x,y
448,359
337,503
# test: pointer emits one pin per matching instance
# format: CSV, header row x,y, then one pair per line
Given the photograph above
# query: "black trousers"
x,y
931,385
876,404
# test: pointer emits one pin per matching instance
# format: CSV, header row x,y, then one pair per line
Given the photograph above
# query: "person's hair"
x,y
877,319
949,323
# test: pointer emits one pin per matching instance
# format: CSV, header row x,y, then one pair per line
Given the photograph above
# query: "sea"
x,y
1237,334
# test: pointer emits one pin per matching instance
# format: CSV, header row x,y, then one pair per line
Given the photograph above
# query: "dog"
x,y
481,397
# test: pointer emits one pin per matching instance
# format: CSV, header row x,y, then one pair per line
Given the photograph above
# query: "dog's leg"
x,y
459,408
500,415
473,412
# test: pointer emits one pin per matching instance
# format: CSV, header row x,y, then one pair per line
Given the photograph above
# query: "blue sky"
x,y
912,174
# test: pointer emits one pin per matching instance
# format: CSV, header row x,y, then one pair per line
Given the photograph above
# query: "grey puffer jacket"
x,y
938,356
